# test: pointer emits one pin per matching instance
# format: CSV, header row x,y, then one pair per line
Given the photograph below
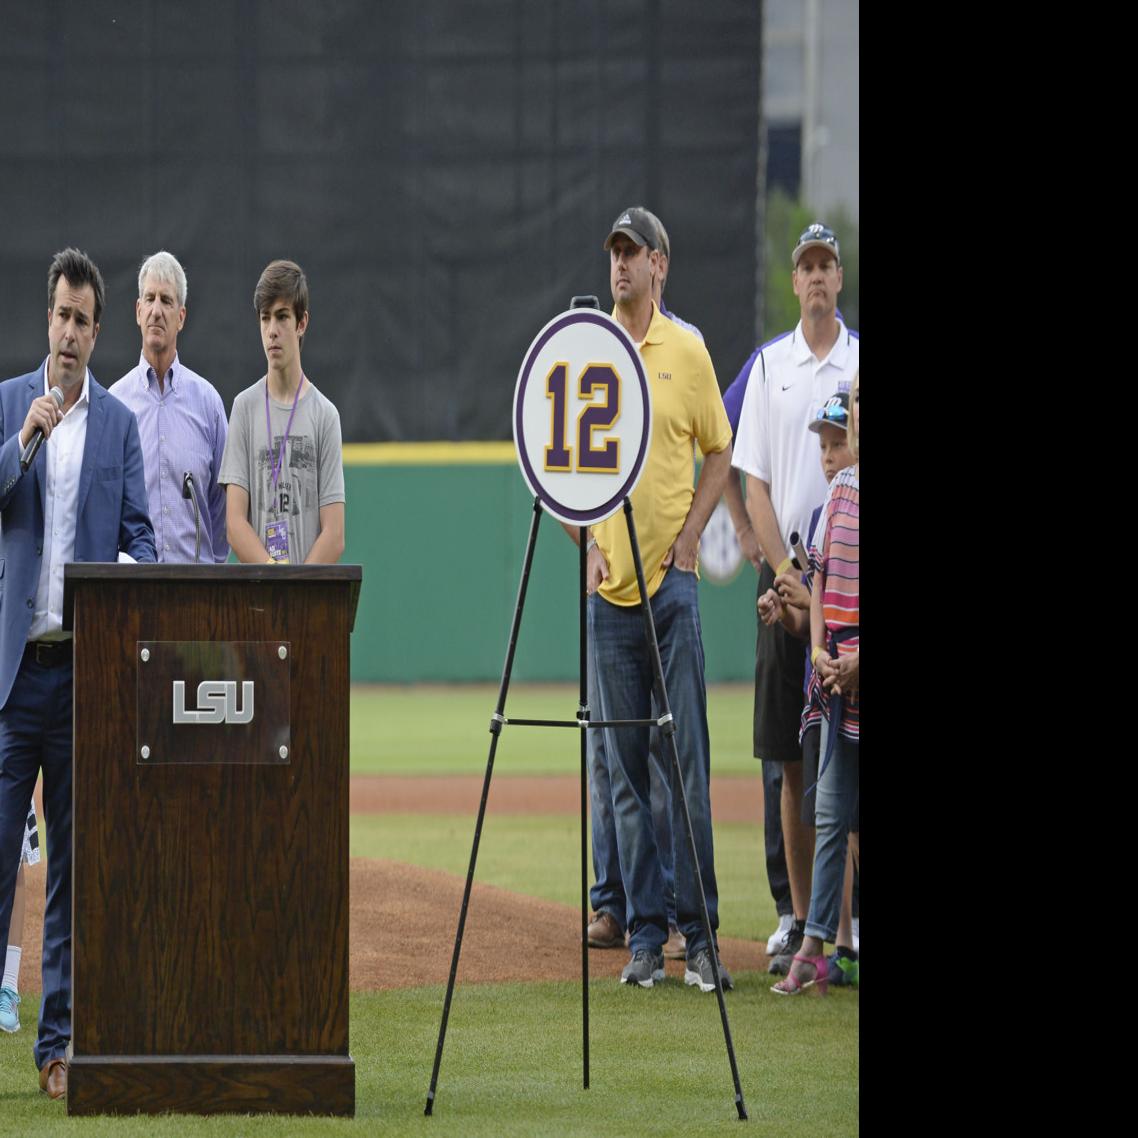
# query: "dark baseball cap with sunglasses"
x,y
815,236
835,412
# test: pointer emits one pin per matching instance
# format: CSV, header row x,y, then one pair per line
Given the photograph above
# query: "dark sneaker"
x,y
780,964
698,971
645,968
676,947
604,932
843,968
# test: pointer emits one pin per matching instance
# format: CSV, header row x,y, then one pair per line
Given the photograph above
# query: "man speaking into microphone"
x,y
181,422
82,497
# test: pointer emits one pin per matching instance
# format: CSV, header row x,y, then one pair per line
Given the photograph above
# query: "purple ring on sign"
x,y
603,510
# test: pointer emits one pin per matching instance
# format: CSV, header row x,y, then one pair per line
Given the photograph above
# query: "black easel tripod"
x,y
583,722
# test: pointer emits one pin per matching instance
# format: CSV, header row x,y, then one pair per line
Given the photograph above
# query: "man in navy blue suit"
x,y
82,498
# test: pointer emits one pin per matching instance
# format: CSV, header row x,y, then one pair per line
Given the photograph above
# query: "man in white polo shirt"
x,y
791,378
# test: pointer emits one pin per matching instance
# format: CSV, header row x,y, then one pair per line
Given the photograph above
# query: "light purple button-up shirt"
x,y
181,428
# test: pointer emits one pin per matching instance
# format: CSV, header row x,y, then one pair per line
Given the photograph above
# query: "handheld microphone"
x,y
801,561
188,493
36,441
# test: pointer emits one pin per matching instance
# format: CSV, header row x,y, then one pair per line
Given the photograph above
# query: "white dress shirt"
x,y
63,461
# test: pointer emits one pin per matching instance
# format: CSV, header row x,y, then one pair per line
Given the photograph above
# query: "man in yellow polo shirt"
x,y
670,513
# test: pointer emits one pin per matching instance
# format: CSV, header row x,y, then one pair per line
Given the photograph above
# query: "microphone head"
x,y
28,456
187,484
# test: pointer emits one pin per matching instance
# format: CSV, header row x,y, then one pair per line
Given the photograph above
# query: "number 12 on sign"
x,y
596,416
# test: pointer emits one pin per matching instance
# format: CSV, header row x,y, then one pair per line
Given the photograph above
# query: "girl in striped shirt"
x,y
834,630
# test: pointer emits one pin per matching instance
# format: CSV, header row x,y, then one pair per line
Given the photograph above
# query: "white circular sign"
x,y
719,554
582,416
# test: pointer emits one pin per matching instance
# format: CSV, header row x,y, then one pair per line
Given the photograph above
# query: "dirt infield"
x,y
422,904
403,918
402,925
734,798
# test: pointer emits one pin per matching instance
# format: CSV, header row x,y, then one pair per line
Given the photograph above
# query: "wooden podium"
x,y
210,877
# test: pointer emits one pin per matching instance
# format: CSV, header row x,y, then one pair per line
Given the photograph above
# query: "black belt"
x,y
49,653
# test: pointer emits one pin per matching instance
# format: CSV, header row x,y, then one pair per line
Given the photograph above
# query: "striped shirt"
x,y
812,686
835,561
181,428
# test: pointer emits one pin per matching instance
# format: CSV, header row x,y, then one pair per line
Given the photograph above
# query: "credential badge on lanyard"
x,y
276,531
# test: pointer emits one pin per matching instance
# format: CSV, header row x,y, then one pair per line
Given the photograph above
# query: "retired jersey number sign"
x,y
582,416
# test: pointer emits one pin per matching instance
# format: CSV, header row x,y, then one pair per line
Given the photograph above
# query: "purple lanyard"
x,y
278,461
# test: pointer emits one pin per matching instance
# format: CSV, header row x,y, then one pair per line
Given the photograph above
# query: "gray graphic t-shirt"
x,y
311,472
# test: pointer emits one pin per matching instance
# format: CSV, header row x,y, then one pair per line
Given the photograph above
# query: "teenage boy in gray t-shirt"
x,y
283,468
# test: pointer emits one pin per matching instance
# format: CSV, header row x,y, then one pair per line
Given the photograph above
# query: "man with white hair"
x,y
181,422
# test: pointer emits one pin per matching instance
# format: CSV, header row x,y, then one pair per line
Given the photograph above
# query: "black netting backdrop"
x,y
444,172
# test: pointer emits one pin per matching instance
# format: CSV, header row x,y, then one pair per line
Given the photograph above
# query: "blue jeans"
x,y
837,789
35,731
607,893
659,764
621,679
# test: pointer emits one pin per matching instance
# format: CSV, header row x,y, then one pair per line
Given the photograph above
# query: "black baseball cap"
x,y
835,411
637,224
813,235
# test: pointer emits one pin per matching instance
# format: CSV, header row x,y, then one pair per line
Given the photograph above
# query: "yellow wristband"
x,y
815,653
784,567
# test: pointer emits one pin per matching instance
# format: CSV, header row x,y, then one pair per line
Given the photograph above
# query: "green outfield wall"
x,y
440,530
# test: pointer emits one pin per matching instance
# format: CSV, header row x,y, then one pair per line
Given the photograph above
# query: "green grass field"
x,y
513,1061
512,1065
428,729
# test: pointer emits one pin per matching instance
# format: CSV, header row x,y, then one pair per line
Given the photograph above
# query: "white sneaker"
x,y
779,937
856,922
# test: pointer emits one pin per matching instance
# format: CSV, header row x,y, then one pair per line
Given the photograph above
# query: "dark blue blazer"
x,y
112,505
